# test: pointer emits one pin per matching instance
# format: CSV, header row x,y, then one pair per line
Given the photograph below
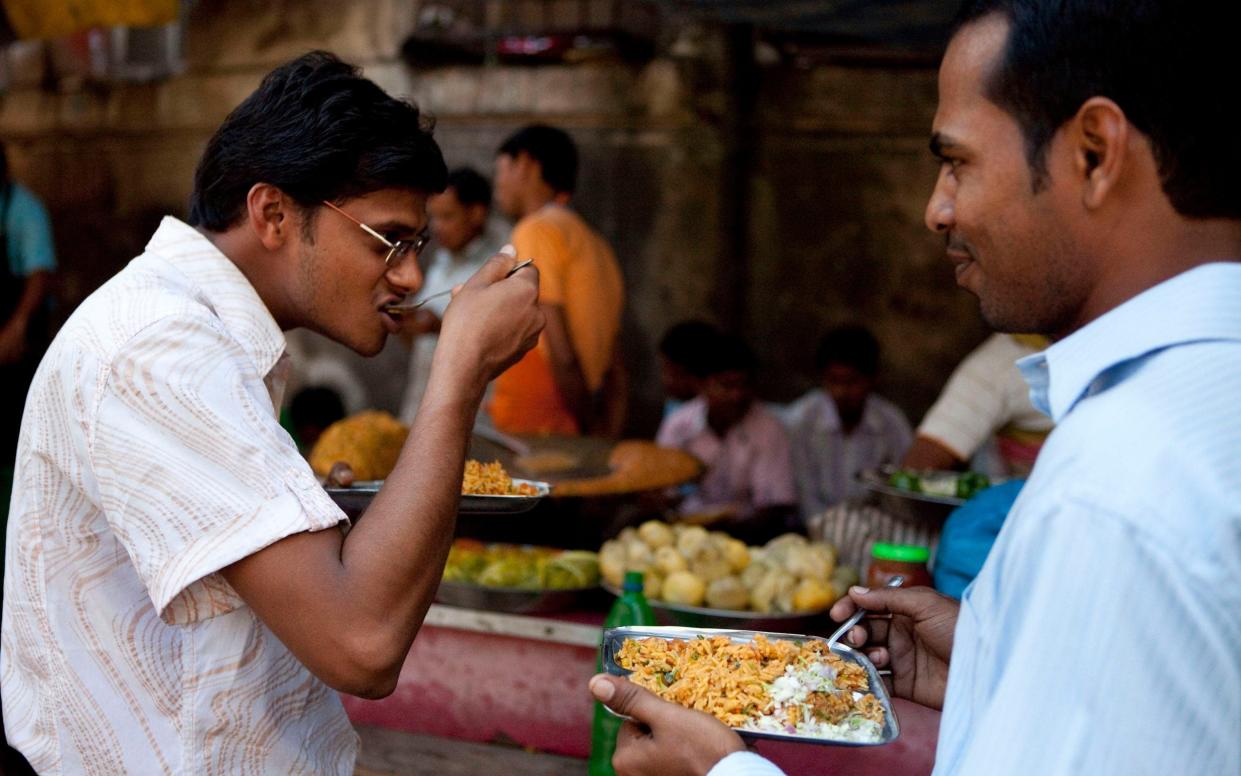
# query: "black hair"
x,y
729,353
1168,64
317,130
687,345
853,346
471,188
552,148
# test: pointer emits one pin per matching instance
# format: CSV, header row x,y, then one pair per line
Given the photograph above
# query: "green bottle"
x,y
630,609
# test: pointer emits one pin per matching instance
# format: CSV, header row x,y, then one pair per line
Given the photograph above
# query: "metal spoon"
x,y
409,307
895,581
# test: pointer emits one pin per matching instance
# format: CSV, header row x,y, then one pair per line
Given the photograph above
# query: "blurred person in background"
x,y
25,282
683,356
748,487
465,240
843,427
984,416
573,382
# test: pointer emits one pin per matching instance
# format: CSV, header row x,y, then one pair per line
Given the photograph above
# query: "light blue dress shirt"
x,y
1103,635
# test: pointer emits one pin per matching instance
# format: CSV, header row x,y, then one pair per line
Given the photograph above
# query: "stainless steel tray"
x,y
907,505
706,617
614,639
512,599
356,498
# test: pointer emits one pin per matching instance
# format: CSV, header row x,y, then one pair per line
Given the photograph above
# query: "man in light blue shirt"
x,y
1087,191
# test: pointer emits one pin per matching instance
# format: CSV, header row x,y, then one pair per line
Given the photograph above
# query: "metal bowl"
x,y
705,617
905,505
356,498
515,600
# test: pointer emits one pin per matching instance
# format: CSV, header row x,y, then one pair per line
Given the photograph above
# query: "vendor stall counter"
x,y
520,680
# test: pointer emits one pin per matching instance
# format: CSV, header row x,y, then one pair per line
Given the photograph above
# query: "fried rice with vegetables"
x,y
771,686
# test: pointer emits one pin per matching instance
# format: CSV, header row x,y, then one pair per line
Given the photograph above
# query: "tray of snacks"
x,y
695,577
763,685
517,578
486,489
922,495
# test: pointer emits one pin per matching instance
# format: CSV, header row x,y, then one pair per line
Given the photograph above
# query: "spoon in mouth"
x,y
409,307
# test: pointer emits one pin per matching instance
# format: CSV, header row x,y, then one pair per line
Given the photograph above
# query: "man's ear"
x,y
1099,137
476,215
271,215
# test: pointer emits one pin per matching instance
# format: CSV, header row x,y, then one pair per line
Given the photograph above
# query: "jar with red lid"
x,y
907,560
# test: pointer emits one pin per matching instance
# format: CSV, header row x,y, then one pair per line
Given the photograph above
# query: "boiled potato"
x,y
684,587
638,556
778,548
806,562
844,577
812,594
612,562
774,592
669,561
753,574
652,585
727,593
710,565
656,534
691,540
737,554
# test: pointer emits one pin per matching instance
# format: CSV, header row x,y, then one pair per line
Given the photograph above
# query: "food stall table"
x,y
521,680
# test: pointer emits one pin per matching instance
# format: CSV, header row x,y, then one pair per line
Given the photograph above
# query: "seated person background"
x,y
682,361
748,484
984,411
842,428
466,239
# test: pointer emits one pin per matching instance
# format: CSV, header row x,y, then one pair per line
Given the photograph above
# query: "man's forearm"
x,y
33,294
393,558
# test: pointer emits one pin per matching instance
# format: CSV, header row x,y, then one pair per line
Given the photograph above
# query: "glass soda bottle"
x,y
630,609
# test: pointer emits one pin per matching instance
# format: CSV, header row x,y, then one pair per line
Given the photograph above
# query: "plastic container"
x,y
890,560
630,609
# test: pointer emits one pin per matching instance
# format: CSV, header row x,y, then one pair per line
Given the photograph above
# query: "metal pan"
x,y
514,600
705,617
614,639
917,508
356,498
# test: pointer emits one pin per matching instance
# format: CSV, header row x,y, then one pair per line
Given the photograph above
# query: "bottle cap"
x,y
901,553
634,581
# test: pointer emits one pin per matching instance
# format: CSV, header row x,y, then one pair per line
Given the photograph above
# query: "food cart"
x,y
509,666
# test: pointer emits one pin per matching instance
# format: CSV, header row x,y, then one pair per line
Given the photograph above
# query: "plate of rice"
x,y
486,489
763,685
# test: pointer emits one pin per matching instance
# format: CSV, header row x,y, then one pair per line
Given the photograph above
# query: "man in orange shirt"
x,y
571,383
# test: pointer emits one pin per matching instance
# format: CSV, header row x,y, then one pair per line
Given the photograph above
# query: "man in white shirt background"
x,y
1087,191
465,238
179,596
843,427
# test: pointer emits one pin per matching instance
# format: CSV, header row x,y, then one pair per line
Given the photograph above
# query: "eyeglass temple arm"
x,y
365,228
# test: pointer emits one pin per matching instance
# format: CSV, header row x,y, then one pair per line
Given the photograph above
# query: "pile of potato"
x,y
686,564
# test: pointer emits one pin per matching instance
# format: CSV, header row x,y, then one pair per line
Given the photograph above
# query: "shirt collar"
x,y
1203,303
829,416
224,289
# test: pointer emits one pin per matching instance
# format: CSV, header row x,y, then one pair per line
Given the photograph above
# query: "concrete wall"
x,y
834,204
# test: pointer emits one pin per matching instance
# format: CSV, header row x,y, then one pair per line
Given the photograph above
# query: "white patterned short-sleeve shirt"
x,y
151,457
